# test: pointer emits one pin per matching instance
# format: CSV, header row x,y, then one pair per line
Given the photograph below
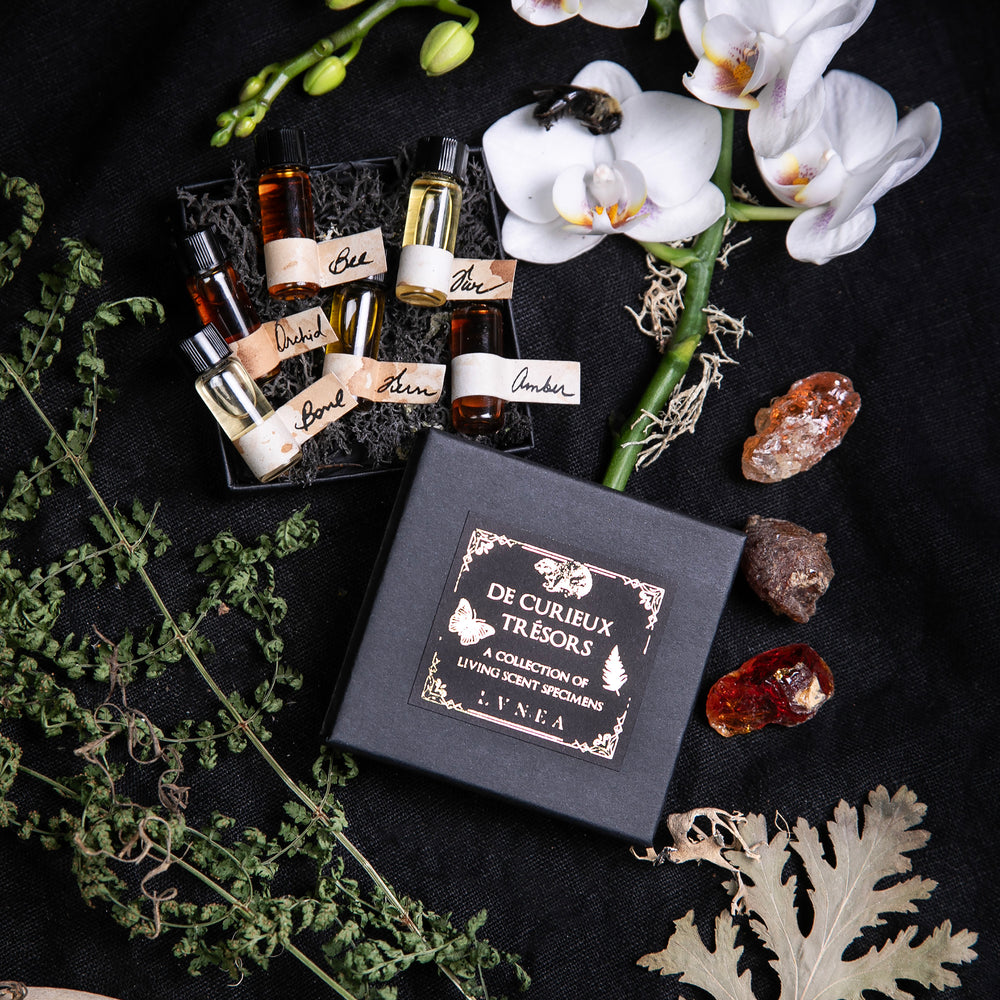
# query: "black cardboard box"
x,y
533,636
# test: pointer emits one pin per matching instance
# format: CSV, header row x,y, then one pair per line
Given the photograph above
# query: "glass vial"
x,y
240,408
284,189
476,329
215,288
356,313
431,228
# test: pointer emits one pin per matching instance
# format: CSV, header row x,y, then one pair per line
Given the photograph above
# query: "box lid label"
x,y
545,644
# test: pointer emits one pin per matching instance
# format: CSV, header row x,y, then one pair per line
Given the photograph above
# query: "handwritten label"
x,y
516,380
481,279
278,339
348,258
316,407
388,381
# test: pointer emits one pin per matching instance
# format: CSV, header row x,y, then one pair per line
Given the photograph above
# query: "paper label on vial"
x,y
291,260
350,258
278,339
425,267
317,406
266,447
481,279
516,380
388,381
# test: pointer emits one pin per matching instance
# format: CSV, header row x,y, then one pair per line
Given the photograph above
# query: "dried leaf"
x,y
844,902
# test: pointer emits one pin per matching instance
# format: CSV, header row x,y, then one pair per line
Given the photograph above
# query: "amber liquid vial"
x,y
284,190
477,329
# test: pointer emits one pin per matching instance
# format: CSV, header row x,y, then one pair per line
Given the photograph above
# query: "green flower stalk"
x,y
324,63
698,262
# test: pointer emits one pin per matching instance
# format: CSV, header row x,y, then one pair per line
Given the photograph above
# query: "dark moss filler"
x,y
351,198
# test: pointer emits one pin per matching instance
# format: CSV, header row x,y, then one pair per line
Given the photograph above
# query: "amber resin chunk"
x,y
786,686
799,428
786,565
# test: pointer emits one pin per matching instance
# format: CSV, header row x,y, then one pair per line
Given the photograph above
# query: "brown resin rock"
x,y
799,428
786,686
786,565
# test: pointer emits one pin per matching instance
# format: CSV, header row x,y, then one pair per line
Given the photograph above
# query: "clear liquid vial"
x,y
356,312
240,408
431,226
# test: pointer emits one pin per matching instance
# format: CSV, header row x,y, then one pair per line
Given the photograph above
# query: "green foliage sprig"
x,y
137,846
324,64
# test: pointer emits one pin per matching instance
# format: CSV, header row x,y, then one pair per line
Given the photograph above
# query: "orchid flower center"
x,y
735,68
571,6
614,194
793,173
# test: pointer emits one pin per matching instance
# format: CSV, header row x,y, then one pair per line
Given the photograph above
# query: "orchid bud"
x,y
341,4
327,74
447,45
253,86
244,126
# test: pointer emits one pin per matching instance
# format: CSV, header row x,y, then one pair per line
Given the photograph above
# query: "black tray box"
x,y
462,664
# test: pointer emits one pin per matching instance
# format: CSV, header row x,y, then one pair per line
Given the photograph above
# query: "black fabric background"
x,y
109,107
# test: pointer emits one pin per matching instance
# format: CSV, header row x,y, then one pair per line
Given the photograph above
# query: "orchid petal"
x,y
603,199
659,224
673,140
812,238
860,117
525,160
602,74
771,130
692,16
814,52
920,132
613,13
545,11
549,243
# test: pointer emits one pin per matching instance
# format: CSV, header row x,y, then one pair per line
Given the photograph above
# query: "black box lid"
x,y
533,636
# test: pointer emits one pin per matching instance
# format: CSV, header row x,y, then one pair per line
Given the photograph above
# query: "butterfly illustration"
x,y
469,628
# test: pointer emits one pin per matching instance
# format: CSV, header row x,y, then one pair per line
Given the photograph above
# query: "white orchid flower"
x,y
767,56
857,152
610,13
567,189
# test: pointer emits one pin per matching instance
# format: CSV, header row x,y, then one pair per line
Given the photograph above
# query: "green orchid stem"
x,y
739,211
245,116
227,704
699,265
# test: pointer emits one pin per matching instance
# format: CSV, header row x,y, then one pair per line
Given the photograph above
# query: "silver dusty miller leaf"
x,y
845,901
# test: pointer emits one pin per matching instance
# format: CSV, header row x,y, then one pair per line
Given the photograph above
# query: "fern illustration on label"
x,y
843,898
613,675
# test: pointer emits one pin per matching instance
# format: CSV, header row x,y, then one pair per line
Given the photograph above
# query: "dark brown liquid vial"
x,y
220,298
477,329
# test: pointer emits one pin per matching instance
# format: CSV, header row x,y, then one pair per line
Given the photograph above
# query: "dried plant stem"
x,y
243,725
698,262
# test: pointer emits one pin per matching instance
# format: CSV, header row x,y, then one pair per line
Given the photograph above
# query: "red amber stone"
x,y
796,430
786,686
